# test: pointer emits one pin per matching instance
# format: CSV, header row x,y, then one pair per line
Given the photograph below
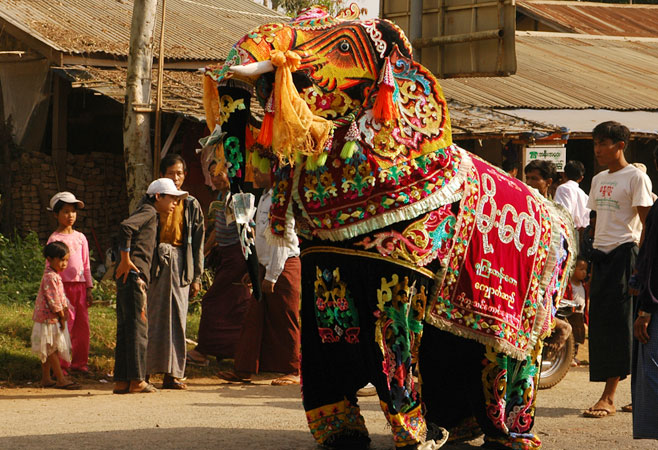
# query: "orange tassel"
x,y
248,138
210,102
265,135
384,108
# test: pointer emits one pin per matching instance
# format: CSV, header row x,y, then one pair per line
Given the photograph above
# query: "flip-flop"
x,y
627,408
285,380
598,413
174,384
69,387
229,375
49,385
148,389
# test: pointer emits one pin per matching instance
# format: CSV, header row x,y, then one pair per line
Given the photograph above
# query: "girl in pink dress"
x,y
50,336
77,277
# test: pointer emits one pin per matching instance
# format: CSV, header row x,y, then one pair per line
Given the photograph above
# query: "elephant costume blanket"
x,y
401,226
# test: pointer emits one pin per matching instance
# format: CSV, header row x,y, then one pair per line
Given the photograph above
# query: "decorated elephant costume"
x,y
405,236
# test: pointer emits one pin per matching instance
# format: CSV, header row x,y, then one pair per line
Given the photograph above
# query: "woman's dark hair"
x,y
60,204
169,160
56,249
545,168
614,131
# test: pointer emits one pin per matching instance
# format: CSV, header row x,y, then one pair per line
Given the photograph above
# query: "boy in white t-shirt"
x,y
621,197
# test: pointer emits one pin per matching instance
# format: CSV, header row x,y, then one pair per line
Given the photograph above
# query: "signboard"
x,y
556,153
458,38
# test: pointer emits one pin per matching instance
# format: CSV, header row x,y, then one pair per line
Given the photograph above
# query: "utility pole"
x,y
157,148
137,107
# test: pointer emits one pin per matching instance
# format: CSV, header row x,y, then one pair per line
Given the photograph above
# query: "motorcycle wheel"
x,y
555,367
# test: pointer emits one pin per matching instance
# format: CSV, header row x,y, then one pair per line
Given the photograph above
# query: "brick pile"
x,y
98,179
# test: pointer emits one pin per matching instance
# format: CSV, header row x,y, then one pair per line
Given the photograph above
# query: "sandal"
x,y
627,408
232,377
173,383
49,385
286,380
598,413
148,389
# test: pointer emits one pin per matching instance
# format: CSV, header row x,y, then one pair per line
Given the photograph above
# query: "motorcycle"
x,y
556,362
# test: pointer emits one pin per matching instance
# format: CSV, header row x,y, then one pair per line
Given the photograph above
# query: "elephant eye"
x,y
344,46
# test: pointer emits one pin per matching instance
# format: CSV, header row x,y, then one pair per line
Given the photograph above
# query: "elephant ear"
x,y
420,124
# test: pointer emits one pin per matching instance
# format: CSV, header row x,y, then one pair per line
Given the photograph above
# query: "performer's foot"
x,y
437,434
367,391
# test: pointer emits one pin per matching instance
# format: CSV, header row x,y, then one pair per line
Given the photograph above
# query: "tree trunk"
x,y
137,107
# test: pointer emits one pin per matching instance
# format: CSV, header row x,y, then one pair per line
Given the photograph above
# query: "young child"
x,y
137,241
50,336
76,277
577,294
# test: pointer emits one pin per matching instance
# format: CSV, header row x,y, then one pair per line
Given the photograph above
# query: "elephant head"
x,y
350,81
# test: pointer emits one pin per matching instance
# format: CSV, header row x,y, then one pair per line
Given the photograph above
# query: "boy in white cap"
x,y
76,278
137,240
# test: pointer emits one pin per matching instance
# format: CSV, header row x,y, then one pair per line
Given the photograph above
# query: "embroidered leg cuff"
x,y
408,428
336,422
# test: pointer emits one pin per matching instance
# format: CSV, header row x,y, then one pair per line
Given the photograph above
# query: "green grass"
x,y
18,365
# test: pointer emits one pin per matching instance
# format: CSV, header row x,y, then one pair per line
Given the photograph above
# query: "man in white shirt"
x,y
571,196
270,336
621,197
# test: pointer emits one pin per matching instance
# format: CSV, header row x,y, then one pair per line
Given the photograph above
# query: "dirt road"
x,y
217,415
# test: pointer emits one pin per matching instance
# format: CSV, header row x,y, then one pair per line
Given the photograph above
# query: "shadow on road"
x,y
558,412
169,438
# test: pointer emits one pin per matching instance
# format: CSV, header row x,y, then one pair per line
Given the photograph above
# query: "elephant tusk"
x,y
253,69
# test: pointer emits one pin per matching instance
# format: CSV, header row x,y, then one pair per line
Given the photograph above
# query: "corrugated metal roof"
x,y
470,121
571,71
194,29
183,95
593,18
182,91
582,122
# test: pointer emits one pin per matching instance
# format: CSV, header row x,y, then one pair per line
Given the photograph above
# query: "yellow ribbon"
x,y
296,129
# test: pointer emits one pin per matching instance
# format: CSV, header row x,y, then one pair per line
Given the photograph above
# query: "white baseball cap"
x,y
165,186
65,197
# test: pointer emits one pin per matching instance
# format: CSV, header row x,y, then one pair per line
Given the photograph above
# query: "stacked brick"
x,y
98,179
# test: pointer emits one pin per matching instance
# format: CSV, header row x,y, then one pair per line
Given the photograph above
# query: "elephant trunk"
x,y
254,69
